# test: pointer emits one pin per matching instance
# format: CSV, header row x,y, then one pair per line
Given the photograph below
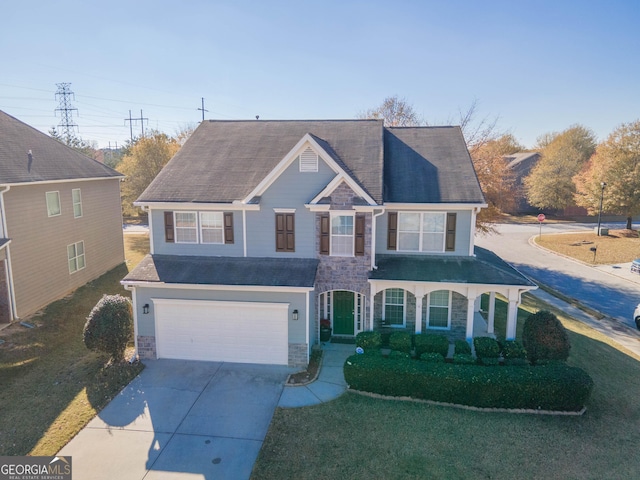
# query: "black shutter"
x,y
228,227
392,231
325,234
169,235
285,232
359,237
450,244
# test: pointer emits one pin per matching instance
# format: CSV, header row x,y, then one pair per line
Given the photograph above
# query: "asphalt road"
x,y
611,289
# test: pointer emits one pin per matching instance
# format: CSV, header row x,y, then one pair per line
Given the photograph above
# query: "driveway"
x,y
181,420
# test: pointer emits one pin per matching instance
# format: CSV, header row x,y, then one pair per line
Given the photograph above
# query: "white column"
x,y
478,304
471,301
492,312
419,313
371,306
512,319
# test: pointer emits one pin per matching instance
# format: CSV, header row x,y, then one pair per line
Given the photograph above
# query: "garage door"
x,y
243,332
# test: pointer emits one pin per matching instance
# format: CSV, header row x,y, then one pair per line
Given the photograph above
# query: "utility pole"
x,y
131,120
65,108
203,110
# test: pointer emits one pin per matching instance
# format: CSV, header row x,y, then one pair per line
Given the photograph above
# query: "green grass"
x,y
361,437
51,385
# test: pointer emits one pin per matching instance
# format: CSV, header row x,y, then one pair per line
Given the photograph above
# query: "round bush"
x,y
545,338
512,349
486,347
462,347
432,357
369,340
431,343
400,341
109,326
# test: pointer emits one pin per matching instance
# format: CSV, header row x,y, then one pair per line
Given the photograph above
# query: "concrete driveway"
x,y
181,420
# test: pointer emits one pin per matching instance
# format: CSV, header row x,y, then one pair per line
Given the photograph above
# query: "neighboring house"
x,y
260,229
61,220
521,164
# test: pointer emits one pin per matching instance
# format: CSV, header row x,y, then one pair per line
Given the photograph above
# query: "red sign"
x,y
541,217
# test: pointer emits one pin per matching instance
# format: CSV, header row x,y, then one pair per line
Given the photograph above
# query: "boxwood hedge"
x,y
556,386
431,343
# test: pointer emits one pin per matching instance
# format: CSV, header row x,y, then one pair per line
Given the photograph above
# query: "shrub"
x,y
369,340
486,347
430,343
462,347
464,358
109,326
432,357
512,349
545,338
400,341
489,361
556,386
398,354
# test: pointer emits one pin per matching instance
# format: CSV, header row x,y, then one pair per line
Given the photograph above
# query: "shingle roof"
x,y
428,165
49,159
201,270
485,268
224,161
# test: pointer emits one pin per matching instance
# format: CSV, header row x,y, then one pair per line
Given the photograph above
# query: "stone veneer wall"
x,y
146,347
298,356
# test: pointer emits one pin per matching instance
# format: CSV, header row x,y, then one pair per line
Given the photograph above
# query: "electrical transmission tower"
x,y
64,96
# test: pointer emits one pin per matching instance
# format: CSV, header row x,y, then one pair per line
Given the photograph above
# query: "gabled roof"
x,y
237,271
49,160
224,161
517,158
428,165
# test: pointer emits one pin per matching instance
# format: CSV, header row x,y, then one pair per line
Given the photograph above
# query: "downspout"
x,y
474,214
12,293
134,301
373,238
244,231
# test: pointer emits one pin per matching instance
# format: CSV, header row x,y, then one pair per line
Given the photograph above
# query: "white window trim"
x,y
404,308
175,227
46,197
448,327
353,235
84,257
79,202
421,233
200,228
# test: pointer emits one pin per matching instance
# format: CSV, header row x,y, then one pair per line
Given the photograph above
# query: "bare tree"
x,y
395,112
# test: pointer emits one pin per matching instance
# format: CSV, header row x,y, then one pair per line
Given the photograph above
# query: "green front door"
x,y
343,306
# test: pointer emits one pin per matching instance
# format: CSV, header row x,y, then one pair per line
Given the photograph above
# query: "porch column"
x,y
419,313
492,312
471,302
512,314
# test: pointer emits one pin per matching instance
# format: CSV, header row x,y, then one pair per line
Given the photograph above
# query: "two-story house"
x,y
60,219
260,229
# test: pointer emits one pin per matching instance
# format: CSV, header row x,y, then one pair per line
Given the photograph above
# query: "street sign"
x,y
541,217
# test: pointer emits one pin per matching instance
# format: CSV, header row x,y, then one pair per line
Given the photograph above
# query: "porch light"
x,y
295,315
145,308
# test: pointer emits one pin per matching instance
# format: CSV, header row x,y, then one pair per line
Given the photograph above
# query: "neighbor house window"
x,y
77,202
342,235
186,225
75,255
439,310
211,227
394,307
421,232
53,204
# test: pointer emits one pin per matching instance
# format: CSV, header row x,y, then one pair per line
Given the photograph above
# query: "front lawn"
x,y
620,246
362,437
51,385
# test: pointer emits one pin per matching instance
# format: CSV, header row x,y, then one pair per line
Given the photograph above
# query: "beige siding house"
x,y
61,220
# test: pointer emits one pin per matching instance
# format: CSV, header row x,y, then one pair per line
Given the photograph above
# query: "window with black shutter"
x,y
169,235
285,232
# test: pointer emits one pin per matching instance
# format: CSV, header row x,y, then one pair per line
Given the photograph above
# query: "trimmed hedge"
x,y
464,358
400,341
486,347
462,347
432,357
369,340
431,343
555,387
545,338
512,349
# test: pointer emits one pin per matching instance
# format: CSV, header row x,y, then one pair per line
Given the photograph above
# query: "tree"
x,y
109,326
550,183
90,149
395,112
142,162
616,163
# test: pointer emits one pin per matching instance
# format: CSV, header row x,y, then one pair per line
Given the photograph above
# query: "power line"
x,y
64,95
131,120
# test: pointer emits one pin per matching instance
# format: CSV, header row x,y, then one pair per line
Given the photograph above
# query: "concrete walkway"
x,y
330,383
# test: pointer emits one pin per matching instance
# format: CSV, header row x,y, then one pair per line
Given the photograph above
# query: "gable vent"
x,y
309,161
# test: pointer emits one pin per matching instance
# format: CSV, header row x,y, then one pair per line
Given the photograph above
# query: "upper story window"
x,y
308,160
75,256
421,231
285,232
198,227
77,202
53,204
342,235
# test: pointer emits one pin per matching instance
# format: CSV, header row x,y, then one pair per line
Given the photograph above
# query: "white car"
x,y
636,316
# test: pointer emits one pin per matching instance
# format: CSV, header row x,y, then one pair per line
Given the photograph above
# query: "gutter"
x,y
134,301
9,270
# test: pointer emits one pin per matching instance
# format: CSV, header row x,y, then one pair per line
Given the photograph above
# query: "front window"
x,y
186,227
77,202
53,204
75,255
211,227
394,307
421,232
342,235
439,310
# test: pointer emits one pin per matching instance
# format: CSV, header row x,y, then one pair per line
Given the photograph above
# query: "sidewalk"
x,y
330,383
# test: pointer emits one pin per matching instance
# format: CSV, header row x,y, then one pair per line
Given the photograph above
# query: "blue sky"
x,y
538,66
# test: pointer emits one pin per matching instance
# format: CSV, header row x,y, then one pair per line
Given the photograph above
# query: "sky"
x,y
535,66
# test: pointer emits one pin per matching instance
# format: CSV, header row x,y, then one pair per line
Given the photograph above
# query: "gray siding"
x,y
463,234
296,301
39,243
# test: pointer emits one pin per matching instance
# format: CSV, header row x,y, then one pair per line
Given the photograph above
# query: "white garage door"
x,y
243,332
